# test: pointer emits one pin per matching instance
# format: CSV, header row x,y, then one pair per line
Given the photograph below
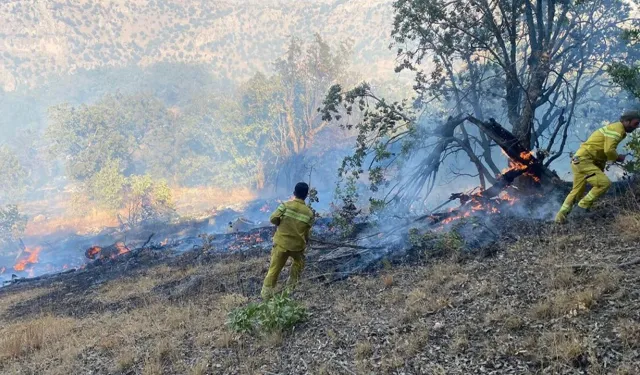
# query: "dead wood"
x,y
629,263
148,240
321,242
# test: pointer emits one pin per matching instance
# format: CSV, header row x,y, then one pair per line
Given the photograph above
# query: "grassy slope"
x,y
521,311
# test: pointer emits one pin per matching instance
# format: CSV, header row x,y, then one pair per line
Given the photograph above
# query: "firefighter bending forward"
x,y
293,220
589,162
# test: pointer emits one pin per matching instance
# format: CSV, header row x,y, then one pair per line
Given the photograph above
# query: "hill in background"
x,y
235,38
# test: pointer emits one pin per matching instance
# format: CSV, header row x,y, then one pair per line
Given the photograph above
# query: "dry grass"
x,y
274,339
200,368
506,317
122,289
629,333
201,200
628,224
444,276
22,339
415,342
421,302
363,350
563,278
460,341
165,328
563,346
228,302
562,303
7,301
74,213
566,301
387,281
125,360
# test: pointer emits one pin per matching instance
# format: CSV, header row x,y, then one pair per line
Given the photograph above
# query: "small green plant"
x,y
279,313
313,198
633,146
449,242
421,240
344,217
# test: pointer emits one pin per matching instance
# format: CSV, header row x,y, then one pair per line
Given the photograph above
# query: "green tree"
x,y
107,185
628,77
283,108
624,74
12,223
130,129
526,63
147,200
12,174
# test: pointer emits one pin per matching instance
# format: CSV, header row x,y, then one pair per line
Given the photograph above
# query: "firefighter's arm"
x,y
611,141
307,234
277,214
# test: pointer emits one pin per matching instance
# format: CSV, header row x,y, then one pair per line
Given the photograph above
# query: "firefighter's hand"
x,y
621,158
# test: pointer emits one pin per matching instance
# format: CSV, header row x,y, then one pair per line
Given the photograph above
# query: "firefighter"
x,y
294,221
589,162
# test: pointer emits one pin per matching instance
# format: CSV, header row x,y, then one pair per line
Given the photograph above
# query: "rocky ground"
x,y
547,299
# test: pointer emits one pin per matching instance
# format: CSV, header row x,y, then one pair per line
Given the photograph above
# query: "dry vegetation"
x,y
63,214
553,301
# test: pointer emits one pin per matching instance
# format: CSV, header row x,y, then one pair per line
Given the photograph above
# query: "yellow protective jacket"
x,y
294,220
601,145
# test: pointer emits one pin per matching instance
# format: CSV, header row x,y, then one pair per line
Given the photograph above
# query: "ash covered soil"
x,y
545,299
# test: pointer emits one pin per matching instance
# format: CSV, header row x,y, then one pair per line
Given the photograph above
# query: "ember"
x,y
31,259
93,252
112,251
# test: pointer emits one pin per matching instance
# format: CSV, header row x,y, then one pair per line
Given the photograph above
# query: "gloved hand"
x,y
621,158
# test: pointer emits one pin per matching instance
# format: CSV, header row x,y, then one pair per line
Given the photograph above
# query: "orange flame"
x,y
31,259
93,251
122,248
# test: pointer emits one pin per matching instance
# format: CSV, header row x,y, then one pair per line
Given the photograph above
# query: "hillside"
x,y
236,38
545,300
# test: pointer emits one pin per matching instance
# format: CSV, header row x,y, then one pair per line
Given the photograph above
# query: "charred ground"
x,y
545,299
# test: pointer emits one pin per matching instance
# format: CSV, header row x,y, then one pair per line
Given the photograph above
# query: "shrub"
x,y
277,314
12,223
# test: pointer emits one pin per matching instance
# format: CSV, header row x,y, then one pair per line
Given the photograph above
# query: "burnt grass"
x,y
546,299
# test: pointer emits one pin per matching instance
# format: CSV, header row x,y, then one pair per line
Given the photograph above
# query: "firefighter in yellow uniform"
x,y
294,220
589,162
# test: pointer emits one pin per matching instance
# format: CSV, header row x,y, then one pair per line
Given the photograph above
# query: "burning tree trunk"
x,y
522,163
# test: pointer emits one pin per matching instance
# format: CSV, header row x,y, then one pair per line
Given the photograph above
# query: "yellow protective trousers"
x,y
279,258
584,171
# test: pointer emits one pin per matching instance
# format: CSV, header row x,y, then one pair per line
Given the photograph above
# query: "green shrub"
x,y
633,146
277,314
12,223
449,242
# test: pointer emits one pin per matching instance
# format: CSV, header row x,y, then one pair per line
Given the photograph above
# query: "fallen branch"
x,y
629,263
345,245
148,240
